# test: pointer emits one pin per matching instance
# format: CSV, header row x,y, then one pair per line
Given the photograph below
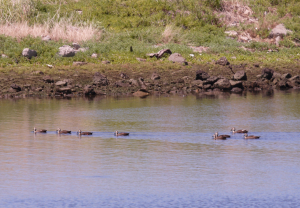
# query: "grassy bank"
x,y
110,28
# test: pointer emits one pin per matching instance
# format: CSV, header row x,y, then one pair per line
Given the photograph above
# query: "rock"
x,y
160,53
236,90
267,73
198,83
142,83
134,82
223,61
279,30
48,79
222,84
46,38
15,87
141,93
66,51
28,53
276,75
89,90
286,76
282,84
79,63
234,83
155,76
210,80
177,58
94,55
76,46
240,75
61,83
100,80
294,78
201,75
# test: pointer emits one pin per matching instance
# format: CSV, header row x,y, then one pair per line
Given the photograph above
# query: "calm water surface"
x,y
169,159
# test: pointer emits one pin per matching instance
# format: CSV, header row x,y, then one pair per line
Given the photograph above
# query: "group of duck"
x,y
79,132
216,136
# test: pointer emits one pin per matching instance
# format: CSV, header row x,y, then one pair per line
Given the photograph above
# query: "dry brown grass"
x,y
170,34
62,30
235,12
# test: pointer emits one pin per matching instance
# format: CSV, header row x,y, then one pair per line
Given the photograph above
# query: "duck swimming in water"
x,y
39,130
223,135
219,137
59,131
250,136
238,131
121,133
84,132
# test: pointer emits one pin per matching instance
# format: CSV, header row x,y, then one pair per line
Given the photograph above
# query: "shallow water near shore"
x,y
169,159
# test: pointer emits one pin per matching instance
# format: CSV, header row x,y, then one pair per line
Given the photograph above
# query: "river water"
x,y
169,159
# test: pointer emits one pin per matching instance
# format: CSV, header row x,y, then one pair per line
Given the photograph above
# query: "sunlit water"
x,y
169,159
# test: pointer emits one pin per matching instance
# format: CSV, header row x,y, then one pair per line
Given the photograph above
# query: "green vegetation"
x,y
148,26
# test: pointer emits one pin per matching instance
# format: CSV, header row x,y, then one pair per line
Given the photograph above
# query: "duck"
x,y
59,131
121,133
84,132
223,135
39,130
238,131
250,136
216,136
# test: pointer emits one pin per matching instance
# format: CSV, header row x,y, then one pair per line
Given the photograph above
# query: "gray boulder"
x,y
201,75
28,53
286,76
89,90
223,84
279,30
234,83
267,73
100,80
177,58
66,51
240,75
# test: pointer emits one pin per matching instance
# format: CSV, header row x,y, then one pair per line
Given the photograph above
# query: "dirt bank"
x,y
144,79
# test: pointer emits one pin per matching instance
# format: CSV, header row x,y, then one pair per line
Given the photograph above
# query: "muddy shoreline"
x,y
139,80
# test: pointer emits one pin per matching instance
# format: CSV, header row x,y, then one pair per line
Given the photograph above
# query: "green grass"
x,y
140,24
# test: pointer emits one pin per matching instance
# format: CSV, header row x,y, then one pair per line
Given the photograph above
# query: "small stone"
x,y
177,58
61,83
28,53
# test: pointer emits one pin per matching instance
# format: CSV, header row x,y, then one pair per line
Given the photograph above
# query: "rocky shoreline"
x,y
208,79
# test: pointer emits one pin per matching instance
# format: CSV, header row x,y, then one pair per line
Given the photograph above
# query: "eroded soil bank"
x,y
145,79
